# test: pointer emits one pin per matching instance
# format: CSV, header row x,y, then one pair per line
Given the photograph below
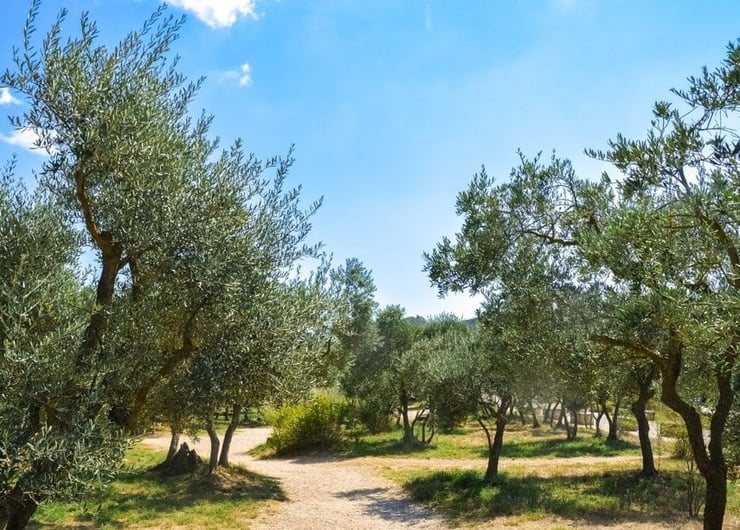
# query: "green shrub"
x,y
673,430
316,424
374,414
682,448
627,422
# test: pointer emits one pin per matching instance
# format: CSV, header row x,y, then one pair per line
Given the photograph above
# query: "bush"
x,y
627,422
314,425
682,448
374,414
673,430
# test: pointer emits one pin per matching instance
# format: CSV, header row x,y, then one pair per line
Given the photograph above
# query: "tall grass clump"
x,y
316,424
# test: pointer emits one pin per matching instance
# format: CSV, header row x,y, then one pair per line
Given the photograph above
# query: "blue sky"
x,y
393,104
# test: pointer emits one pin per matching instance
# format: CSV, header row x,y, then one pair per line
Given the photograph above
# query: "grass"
x,y
606,491
139,498
463,497
549,446
469,442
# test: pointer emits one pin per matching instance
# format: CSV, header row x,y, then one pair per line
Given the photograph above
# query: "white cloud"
x,y
243,74
218,13
6,98
25,138
245,77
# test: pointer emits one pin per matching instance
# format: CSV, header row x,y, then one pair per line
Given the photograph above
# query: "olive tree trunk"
x,y
408,430
215,445
495,443
639,408
236,413
174,444
709,459
19,510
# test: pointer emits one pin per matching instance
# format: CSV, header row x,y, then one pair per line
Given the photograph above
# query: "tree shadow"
x,y
139,496
378,503
611,498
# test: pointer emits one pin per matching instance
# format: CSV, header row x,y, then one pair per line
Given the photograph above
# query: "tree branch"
x,y
552,240
635,348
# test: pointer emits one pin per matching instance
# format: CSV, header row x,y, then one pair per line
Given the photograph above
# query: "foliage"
x,y
446,343
52,445
316,424
664,237
354,324
375,411
193,248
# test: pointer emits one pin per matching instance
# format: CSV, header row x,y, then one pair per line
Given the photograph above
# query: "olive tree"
x,y
54,444
518,337
354,324
667,230
443,345
179,232
679,221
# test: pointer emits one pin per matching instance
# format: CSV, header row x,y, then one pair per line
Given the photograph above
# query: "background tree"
x,y
517,335
354,326
392,356
444,344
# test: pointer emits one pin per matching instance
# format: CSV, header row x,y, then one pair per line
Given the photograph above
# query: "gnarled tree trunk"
x,y
613,421
215,445
408,431
571,429
19,509
236,413
639,407
174,444
709,460
496,443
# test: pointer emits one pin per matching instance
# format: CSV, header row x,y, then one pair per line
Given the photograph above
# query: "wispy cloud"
x,y
243,74
25,138
6,98
218,13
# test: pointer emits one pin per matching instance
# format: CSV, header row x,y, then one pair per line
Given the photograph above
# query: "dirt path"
x,y
324,493
352,494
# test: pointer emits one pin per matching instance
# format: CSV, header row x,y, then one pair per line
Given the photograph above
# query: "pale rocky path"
x,y
324,493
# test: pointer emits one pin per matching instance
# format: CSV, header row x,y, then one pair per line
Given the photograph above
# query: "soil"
x,y
340,494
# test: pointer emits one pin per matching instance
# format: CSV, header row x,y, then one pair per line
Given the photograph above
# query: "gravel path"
x,y
324,493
